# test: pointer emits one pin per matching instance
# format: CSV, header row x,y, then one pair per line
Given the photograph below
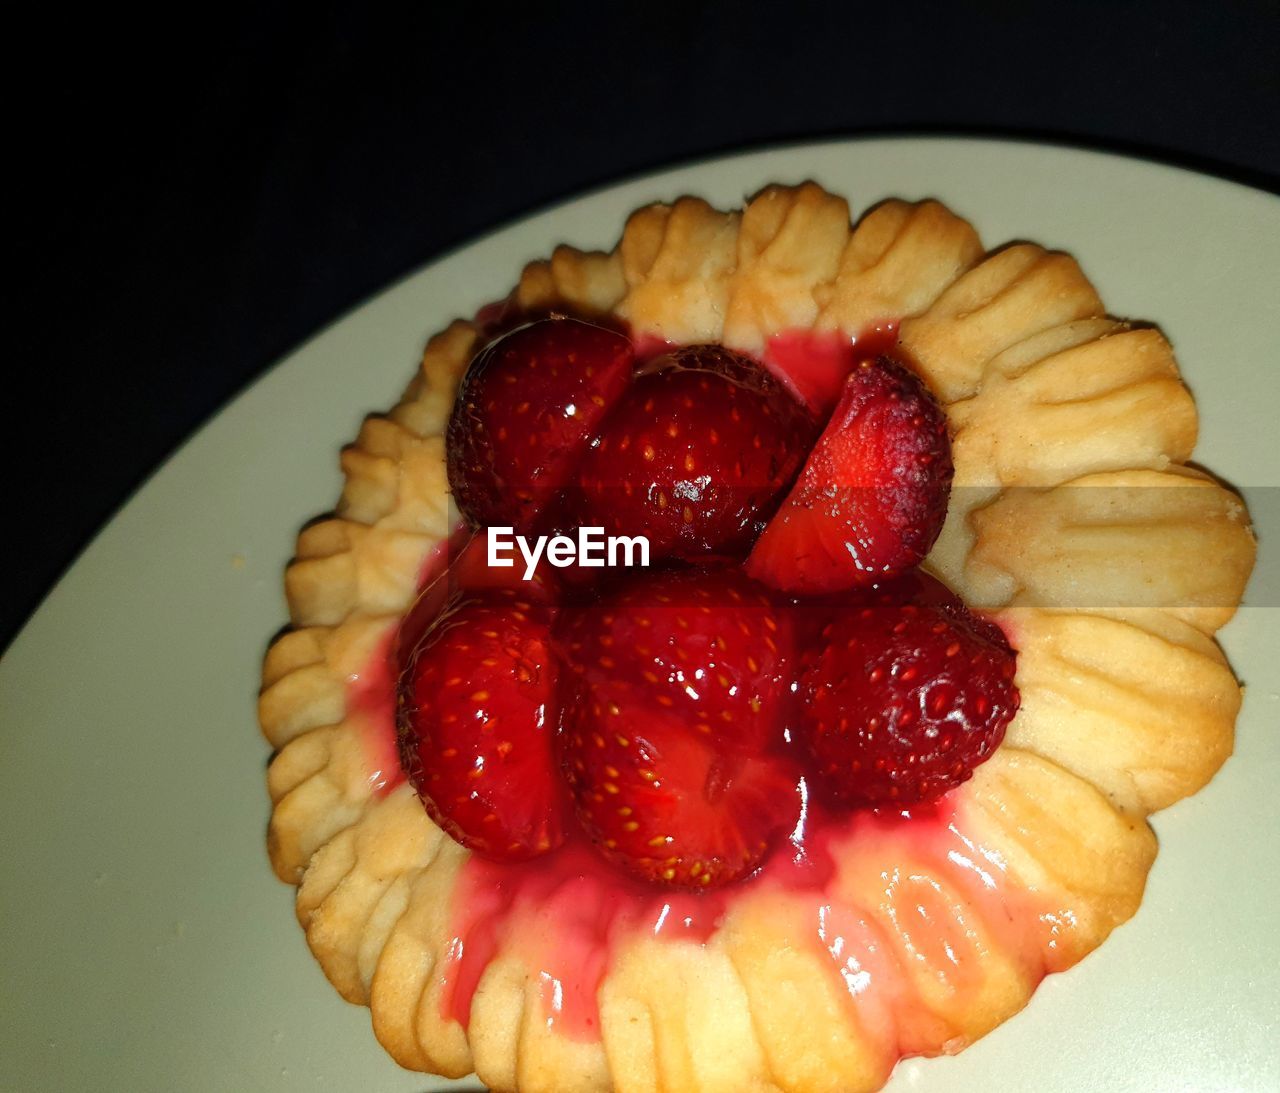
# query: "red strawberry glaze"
x,y
813,364
371,693
564,914
371,702
649,346
567,915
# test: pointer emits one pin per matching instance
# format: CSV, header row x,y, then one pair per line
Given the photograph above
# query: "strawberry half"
x,y
666,803
671,741
708,646
872,497
526,411
695,456
904,701
477,708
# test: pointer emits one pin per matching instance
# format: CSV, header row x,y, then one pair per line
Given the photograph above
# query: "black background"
x,y
199,192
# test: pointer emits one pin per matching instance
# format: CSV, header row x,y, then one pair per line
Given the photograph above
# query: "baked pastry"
x,y
1073,520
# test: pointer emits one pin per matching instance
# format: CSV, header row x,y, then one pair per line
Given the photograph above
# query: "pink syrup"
x,y
813,365
371,693
567,914
564,913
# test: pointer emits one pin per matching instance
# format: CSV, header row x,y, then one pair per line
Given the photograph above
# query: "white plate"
x,y
144,943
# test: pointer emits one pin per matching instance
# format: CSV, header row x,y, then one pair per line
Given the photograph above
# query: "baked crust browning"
x,y
1072,513
1138,702
1117,539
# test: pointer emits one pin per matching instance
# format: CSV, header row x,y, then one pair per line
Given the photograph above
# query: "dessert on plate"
x,y
865,750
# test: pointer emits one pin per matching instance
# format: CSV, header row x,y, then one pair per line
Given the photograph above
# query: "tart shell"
x,y
1073,517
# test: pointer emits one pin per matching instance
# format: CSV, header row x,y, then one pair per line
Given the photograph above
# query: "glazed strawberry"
x,y
477,707
695,455
810,615
708,646
872,497
671,739
925,590
527,408
666,802
904,701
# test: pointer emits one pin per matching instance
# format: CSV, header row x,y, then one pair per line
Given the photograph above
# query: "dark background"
x,y
198,196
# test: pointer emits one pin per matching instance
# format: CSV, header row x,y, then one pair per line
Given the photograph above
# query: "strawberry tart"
x,y
854,736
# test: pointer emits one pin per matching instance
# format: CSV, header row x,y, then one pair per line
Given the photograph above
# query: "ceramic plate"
x,y
145,944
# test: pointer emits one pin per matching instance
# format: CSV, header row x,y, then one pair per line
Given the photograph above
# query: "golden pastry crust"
x,y
1064,421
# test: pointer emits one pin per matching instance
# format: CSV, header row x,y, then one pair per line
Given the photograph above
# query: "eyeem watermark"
x,y
592,548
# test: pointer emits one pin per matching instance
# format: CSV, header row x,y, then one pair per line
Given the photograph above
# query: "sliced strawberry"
x,y
708,646
666,802
872,497
695,456
527,408
673,737
477,708
904,701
